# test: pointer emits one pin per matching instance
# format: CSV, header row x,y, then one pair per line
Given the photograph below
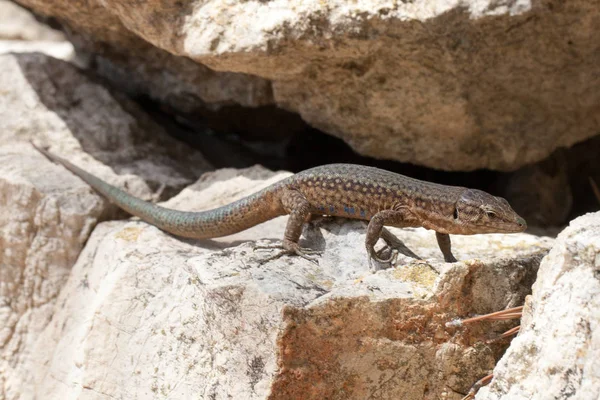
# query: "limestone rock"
x,y
20,32
557,352
450,85
146,315
51,102
17,24
61,50
47,214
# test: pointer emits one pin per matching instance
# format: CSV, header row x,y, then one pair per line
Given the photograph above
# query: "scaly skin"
x,y
343,190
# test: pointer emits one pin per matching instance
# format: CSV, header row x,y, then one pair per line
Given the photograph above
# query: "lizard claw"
x,y
393,255
372,254
293,248
450,258
311,255
307,254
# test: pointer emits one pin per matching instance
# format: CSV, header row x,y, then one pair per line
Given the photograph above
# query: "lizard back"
x,y
359,192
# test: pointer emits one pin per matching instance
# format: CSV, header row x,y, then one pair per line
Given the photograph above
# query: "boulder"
x,y
21,32
557,352
61,50
46,213
18,24
449,85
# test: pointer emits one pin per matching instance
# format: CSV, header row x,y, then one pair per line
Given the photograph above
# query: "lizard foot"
x,y
308,254
291,248
393,255
450,258
372,255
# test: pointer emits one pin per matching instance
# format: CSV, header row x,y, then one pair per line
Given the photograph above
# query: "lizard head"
x,y
481,212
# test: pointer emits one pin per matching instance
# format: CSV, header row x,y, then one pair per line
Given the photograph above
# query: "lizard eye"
x,y
490,214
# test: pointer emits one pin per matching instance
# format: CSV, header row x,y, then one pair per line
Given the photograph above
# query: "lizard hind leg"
x,y
298,208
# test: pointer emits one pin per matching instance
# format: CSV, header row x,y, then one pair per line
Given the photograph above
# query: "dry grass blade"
x,y
508,333
478,385
509,313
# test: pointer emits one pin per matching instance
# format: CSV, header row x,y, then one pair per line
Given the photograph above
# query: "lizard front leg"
x,y
398,218
443,240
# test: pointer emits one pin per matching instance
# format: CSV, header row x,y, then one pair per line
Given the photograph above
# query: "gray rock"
x,y
51,102
449,85
557,352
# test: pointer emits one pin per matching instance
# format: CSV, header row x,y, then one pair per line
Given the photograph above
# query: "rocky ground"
x,y
151,97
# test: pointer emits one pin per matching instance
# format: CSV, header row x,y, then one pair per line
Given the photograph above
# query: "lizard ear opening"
x,y
455,215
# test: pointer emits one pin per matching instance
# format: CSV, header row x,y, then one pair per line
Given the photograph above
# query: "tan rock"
x,y
450,85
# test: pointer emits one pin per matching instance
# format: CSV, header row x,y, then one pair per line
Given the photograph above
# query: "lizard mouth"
x,y
519,225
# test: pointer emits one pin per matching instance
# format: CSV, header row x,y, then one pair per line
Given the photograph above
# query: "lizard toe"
x,y
373,256
312,256
306,253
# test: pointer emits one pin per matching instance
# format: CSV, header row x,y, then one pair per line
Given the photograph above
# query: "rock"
x,y
557,352
61,50
47,214
18,24
141,68
449,85
145,314
50,101
541,192
584,176
20,32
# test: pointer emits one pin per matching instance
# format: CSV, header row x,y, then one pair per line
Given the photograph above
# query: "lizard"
x,y
381,197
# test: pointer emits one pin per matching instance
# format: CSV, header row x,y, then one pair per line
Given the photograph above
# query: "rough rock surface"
x,y
146,315
557,352
61,50
18,24
20,32
137,66
451,85
46,214
51,102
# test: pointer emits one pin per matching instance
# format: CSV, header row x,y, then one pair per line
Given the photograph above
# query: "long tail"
x,y
229,219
